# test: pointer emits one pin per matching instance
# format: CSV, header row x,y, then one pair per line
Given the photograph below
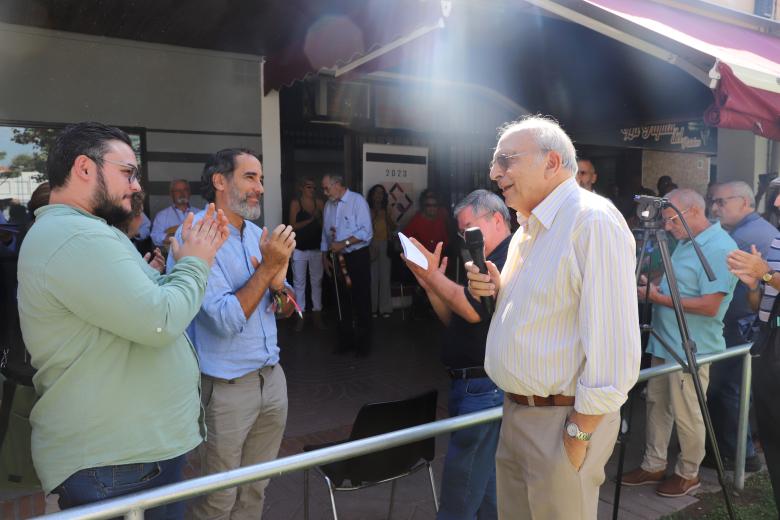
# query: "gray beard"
x,y
241,207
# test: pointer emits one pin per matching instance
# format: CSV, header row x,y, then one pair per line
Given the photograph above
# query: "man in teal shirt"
x,y
117,380
671,399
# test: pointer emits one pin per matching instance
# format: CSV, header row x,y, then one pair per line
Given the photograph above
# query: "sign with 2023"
x,y
402,170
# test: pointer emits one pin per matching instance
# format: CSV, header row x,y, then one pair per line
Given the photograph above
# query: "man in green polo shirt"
x,y
117,380
672,399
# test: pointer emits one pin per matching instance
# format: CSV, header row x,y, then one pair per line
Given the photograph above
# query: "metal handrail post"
x,y
742,425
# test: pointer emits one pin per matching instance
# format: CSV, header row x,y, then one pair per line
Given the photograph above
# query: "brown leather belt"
x,y
535,400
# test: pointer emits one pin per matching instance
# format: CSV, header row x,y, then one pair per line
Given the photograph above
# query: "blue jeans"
x,y
723,403
468,487
95,484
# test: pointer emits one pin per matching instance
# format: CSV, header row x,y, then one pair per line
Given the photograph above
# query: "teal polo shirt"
x,y
706,331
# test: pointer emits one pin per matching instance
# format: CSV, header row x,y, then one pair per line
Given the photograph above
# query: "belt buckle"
x,y
531,400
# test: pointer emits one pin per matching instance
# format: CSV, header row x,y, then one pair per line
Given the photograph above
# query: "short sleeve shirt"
x,y
705,331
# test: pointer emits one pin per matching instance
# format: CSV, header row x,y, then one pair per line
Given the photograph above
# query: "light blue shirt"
x,y
229,345
706,331
349,217
165,218
145,229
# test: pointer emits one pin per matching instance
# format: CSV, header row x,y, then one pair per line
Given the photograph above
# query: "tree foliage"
x,y
41,139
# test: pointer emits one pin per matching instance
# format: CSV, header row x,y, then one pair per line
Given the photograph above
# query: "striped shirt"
x,y
566,320
770,293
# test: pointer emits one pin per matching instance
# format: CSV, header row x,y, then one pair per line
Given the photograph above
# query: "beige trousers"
x,y
535,479
245,421
671,399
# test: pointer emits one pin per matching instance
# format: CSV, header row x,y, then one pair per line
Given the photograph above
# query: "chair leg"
x,y
433,487
392,497
332,499
306,494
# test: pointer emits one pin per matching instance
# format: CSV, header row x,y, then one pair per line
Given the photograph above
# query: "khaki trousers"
x,y
671,399
245,421
535,479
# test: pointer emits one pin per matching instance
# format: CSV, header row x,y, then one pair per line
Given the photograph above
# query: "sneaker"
x,y
386,315
640,477
676,486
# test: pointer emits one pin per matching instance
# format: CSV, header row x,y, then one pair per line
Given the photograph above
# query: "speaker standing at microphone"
x,y
469,478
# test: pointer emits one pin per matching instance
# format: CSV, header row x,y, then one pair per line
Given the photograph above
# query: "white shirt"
x,y
566,319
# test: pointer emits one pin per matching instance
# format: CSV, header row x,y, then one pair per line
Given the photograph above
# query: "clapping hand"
x,y
202,239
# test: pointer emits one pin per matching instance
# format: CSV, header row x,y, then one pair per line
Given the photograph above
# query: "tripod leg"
x,y
623,437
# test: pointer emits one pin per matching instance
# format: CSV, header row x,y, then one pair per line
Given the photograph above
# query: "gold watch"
x,y
768,275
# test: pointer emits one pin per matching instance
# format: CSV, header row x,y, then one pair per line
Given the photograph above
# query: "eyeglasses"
x,y
673,217
133,176
503,160
721,201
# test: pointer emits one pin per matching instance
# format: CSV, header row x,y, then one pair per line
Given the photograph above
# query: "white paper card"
x,y
412,253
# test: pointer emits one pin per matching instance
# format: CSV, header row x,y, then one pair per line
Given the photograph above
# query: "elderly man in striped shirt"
x,y
564,341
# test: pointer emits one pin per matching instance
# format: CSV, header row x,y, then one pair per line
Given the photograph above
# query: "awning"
x,y
740,64
336,45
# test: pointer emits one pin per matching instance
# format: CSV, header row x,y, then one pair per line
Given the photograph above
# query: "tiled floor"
x,y
326,390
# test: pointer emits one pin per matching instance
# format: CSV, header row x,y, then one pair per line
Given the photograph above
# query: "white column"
x,y
272,156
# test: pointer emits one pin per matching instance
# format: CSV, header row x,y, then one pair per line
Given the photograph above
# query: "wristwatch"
x,y
346,243
572,430
768,275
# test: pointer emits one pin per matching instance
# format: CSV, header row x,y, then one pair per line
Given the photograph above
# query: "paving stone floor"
x,y
325,392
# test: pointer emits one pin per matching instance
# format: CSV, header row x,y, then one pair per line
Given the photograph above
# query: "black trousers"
x,y
355,325
766,388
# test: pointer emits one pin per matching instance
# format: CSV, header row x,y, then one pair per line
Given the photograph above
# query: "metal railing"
x,y
133,506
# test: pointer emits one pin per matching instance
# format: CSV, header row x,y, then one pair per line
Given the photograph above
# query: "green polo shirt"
x,y
706,331
117,378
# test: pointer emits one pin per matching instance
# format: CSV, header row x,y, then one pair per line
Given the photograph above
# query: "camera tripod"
x,y
649,212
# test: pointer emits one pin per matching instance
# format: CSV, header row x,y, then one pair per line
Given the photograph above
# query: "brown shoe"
x,y
640,477
676,486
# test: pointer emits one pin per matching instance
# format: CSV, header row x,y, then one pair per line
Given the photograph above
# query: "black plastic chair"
x,y
387,465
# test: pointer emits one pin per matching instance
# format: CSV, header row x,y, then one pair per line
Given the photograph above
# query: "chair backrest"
x,y
377,418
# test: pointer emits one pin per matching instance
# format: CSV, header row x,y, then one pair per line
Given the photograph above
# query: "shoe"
x,y
386,315
299,324
374,314
317,316
753,464
640,477
676,486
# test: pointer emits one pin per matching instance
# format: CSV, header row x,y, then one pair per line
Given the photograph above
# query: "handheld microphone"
x,y
476,246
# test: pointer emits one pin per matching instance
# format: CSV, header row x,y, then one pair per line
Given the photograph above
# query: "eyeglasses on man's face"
x,y
503,161
130,170
673,218
721,201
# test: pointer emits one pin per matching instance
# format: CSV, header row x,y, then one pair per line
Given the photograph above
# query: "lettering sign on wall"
x,y
691,136
685,136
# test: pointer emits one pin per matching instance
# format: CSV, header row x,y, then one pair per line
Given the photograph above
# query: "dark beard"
x,y
107,208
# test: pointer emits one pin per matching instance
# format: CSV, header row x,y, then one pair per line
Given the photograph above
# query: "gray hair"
x,y
482,201
337,179
548,135
177,181
741,189
687,198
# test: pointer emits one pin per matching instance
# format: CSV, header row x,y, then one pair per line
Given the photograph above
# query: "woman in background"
x,y
384,228
306,220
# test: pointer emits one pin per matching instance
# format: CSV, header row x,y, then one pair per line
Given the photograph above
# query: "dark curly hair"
x,y
224,162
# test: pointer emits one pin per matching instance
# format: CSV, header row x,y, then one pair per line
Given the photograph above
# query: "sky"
x,y
13,149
